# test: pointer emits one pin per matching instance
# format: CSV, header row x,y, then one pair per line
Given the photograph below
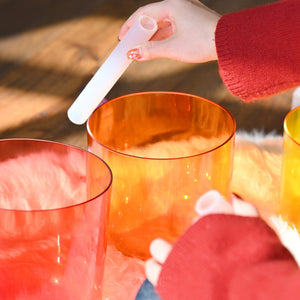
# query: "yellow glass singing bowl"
x,y
165,150
290,180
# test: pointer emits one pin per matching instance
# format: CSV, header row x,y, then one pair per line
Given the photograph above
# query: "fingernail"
x,y
134,54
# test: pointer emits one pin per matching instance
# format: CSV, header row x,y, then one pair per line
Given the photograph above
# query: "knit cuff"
x,y
258,49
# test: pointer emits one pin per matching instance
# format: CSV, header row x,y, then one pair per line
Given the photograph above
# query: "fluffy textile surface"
x,y
256,179
42,180
257,168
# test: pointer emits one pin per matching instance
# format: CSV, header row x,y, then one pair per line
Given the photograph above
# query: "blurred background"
x,y
49,50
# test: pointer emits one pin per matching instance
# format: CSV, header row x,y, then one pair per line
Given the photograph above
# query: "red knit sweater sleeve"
x,y
226,257
259,49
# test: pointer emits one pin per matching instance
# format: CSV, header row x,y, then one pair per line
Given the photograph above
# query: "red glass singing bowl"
x,y
165,150
54,205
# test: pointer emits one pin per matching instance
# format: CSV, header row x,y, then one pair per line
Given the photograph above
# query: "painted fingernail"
x,y
134,54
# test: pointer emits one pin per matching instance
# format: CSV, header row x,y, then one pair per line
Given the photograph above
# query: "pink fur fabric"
x,y
42,180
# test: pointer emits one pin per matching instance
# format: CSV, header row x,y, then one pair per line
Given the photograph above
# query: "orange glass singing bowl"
x,y
165,150
54,202
290,180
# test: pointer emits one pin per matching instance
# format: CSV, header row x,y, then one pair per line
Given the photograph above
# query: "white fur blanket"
x,y
256,179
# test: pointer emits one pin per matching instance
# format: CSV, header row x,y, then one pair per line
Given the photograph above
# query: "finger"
x,y
128,23
165,29
212,202
159,45
160,249
152,269
152,10
243,208
153,49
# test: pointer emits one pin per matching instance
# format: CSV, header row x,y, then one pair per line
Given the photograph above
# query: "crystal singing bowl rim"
x,y
73,148
289,123
230,117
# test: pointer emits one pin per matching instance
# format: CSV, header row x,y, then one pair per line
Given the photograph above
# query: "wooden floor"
x,y
50,49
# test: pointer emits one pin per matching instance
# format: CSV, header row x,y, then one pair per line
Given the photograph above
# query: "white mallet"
x,y
111,70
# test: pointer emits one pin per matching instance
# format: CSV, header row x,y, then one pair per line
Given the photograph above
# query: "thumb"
x,y
151,50
212,202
